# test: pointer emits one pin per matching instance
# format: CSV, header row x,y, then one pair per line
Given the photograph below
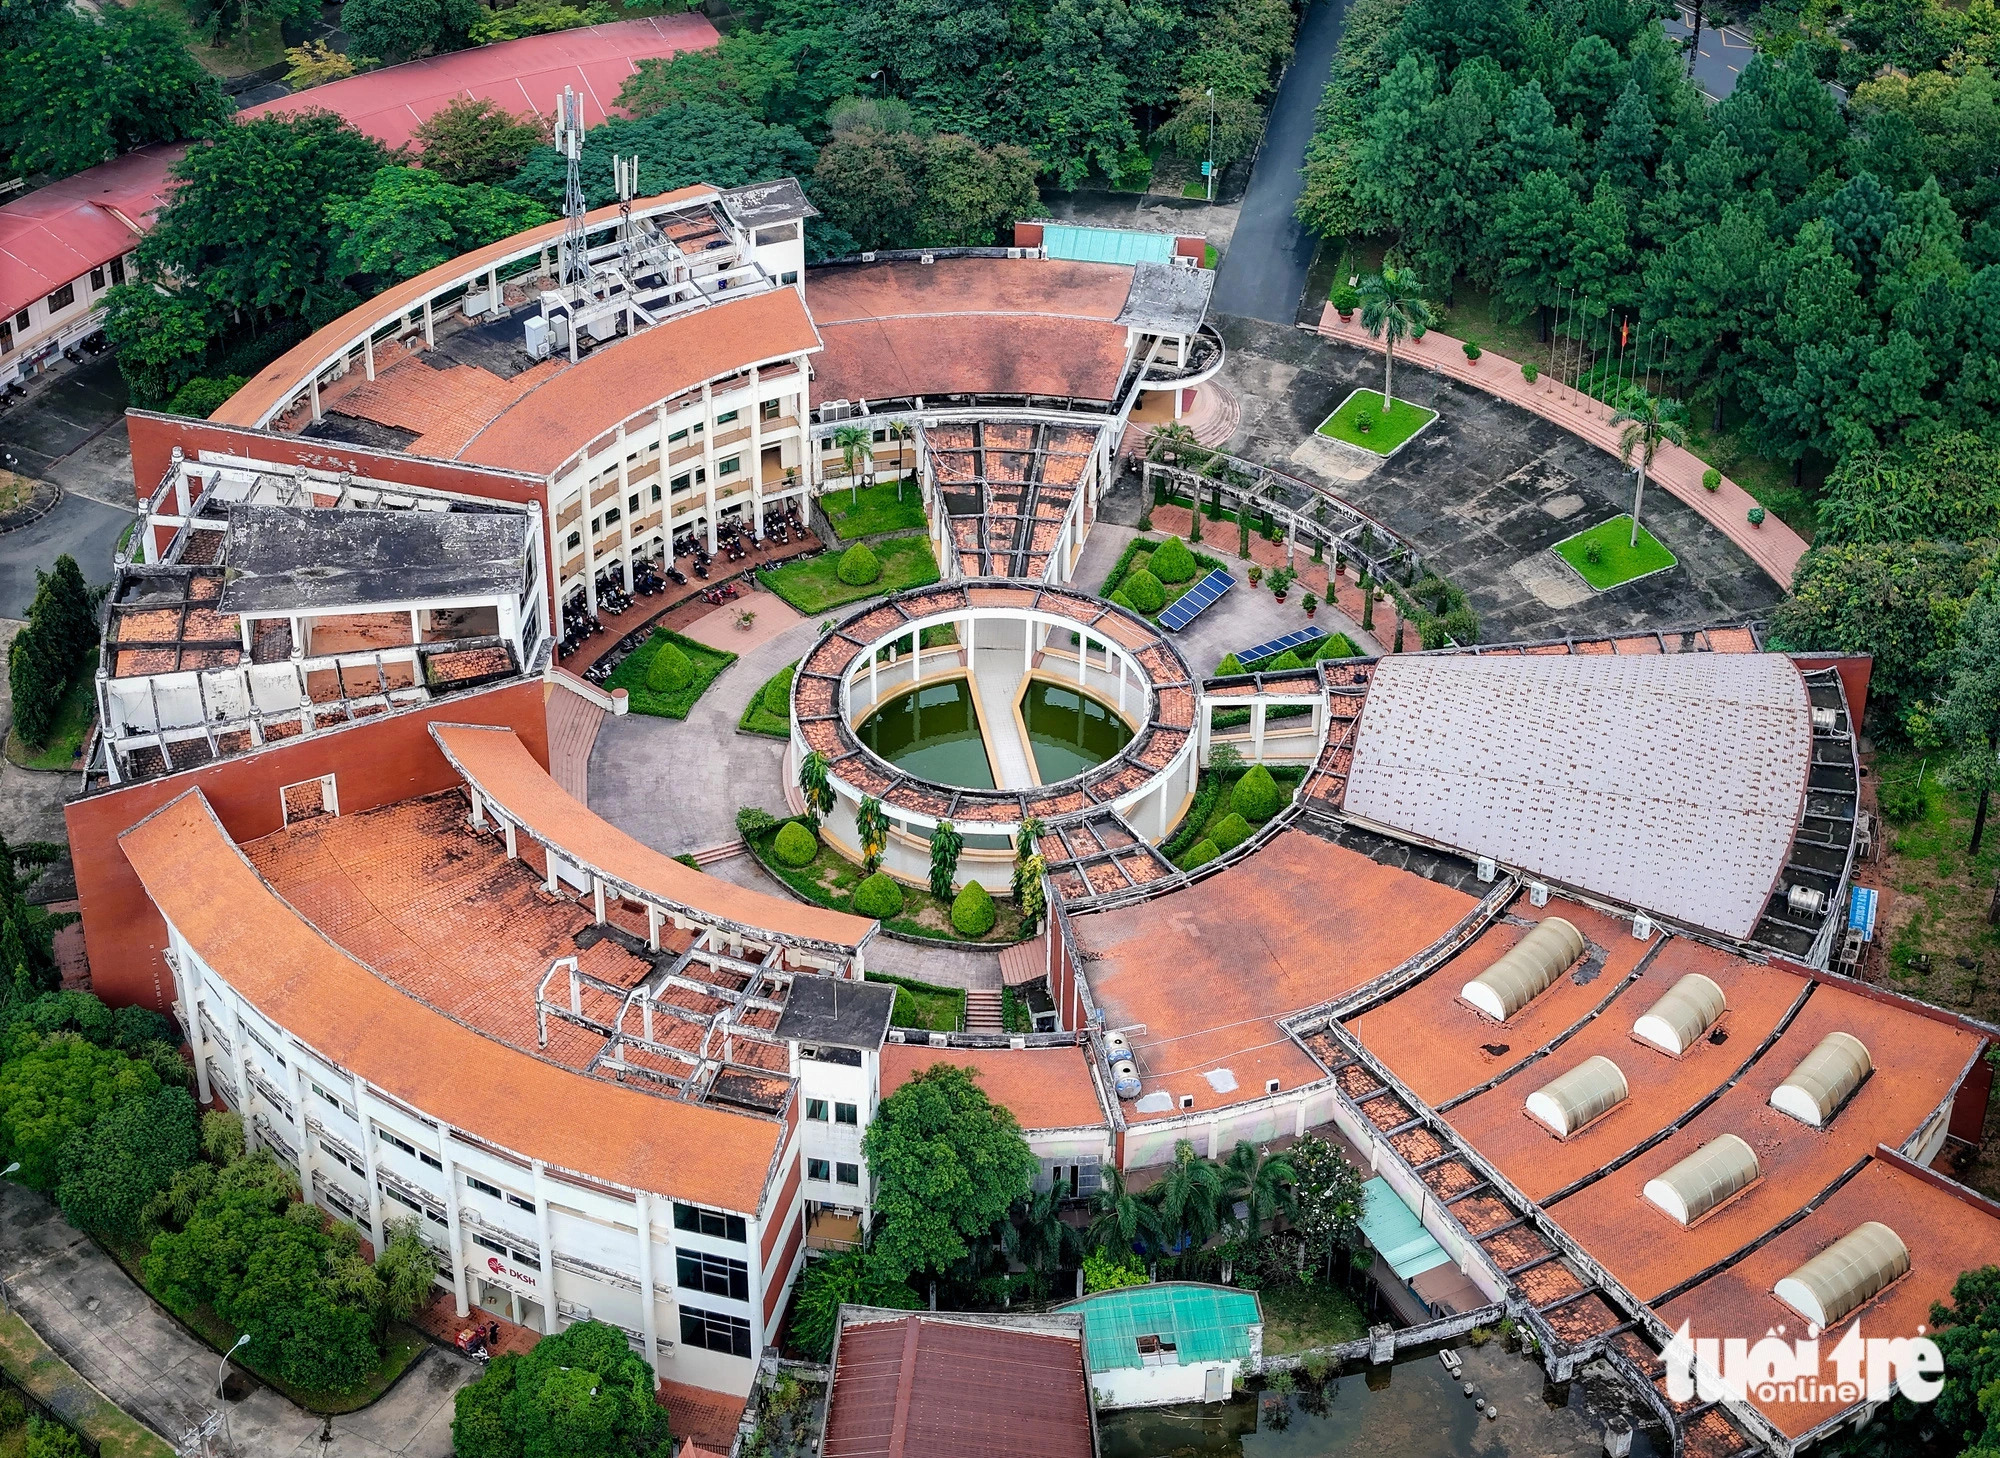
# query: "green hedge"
x,y
1230,831
1145,592
924,1005
1174,562
769,711
1256,797
634,675
795,845
1204,851
669,670
858,566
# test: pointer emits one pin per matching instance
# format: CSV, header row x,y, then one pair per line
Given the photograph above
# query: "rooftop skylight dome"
x,y
1582,1096
1678,1020
1526,970
1851,1271
1716,1172
1822,1082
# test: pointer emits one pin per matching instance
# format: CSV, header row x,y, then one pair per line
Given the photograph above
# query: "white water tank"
x,y
1125,1078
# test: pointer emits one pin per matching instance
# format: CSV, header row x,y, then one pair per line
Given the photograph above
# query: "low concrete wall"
x,y
1402,1339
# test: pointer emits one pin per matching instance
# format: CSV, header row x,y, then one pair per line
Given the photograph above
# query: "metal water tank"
x,y
1117,1045
1125,1078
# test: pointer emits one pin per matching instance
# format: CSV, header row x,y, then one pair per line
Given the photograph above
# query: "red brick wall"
x,y
1189,246
774,1275
774,1214
1027,235
376,762
1968,1110
1855,672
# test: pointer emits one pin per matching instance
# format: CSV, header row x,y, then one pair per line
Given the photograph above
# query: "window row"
x,y
843,1172
715,1332
842,1113
713,1275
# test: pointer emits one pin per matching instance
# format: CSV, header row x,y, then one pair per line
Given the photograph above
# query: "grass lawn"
x,y
1941,947
921,1005
875,510
1618,561
73,721
267,42
811,586
631,675
1388,431
38,1371
1137,554
1297,1318
829,880
770,708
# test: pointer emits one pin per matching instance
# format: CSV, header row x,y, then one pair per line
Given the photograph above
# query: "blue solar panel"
x,y
1190,604
1278,645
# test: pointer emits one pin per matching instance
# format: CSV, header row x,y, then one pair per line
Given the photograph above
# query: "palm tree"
x,y
1261,1183
1043,1241
854,443
1189,1197
1647,422
900,432
813,786
871,828
1393,309
1122,1218
1178,441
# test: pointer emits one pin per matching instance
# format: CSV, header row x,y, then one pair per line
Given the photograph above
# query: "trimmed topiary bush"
x,y
1345,299
879,896
1122,600
1256,796
778,693
1711,479
1285,660
795,845
1230,831
1202,853
1143,590
858,566
669,669
1173,562
1335,645
1530,373
1230,664
974,913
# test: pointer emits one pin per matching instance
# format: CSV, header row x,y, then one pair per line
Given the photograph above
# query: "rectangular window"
x,y
430,1159
711,1222
847,1174
402,1144
725,417
399,1197
846,1114
729,466
769,409
521,1257
611,516
596,526
96,279
880,436
729,1334
520,1204
656,496
818,1169
816,1109
678,435
632,503
789,276
118,270
712,1275
483,1188
493,1245
681,483
62,298
21,321
433,1216
6,335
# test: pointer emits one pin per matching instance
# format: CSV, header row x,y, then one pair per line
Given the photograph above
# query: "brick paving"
x,y
1774,547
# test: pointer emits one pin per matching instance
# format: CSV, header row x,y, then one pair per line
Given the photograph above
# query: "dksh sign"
x,y
500,1268
1774,1369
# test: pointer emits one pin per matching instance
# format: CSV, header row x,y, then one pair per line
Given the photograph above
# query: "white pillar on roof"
x,y
461,1303
649,1320
548,1249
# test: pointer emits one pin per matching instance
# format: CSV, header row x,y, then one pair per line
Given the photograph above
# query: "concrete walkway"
x,y
102,1324
996,678
1773,546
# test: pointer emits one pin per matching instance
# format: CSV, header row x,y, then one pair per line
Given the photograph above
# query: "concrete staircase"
x,y
983,1012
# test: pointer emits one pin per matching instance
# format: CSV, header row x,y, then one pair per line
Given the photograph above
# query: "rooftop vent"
x,y
1526,970
1822,1082
1676,1022
1844,1275
1704,1179
1585,1094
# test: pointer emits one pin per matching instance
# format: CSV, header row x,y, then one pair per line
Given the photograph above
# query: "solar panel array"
x,y
1251,656
1197,599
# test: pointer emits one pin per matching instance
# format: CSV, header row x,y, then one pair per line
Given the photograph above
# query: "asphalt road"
x,y
70,431
1264,271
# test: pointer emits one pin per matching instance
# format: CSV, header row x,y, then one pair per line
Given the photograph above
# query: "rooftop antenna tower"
x,y
569,142
626,171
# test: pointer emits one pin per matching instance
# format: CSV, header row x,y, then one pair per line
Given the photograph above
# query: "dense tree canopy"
x,y
947,1164
476,140
911,190
679,145
411,219
579,1393
111,1171
396,30
56,1087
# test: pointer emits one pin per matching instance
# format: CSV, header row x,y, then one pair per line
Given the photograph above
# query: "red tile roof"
x,y
926,1387
881,359
500,768
60,232
290,972
525,76
1044,1088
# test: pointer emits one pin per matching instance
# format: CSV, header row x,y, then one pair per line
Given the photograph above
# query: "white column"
x,y
649,1321
916,654
653,927
430,333
624,510
756,459
708,457
368,353
297,1087
241,1070
584,520
460,1299
548,1249
368,1161
597,897
1257,731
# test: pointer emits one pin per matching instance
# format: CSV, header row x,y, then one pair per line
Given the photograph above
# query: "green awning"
x,y
1396,1233
1204,1323
1106,245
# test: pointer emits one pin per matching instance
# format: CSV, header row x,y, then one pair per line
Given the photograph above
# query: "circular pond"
x,y
935,732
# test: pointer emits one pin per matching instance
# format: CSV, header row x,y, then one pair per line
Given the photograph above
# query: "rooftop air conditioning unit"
x,y
1642,927
1538,893
538,334
1805,901
475,303
1487,869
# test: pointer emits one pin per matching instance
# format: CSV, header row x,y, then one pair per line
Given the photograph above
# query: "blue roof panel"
x,y
1106,245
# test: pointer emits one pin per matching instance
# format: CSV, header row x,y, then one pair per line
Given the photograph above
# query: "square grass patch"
x,y
72,726
813,586
1618,561
1388,434
631,675
874,509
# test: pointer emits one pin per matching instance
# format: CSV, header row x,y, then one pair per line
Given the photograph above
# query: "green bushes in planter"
x,y
1756,516
973,912
795,845
1530,373
1345,299
1144,591
1285,660
669,669
1230,664
1472,350
1173,562
1204,851
1256,797
858,566
1711,479
1230,831
879,896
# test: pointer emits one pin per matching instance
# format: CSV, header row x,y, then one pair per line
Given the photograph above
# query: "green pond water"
x,y
933,732
1070,731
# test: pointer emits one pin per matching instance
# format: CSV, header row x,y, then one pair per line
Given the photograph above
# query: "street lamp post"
x,y
1211,144
222,1399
